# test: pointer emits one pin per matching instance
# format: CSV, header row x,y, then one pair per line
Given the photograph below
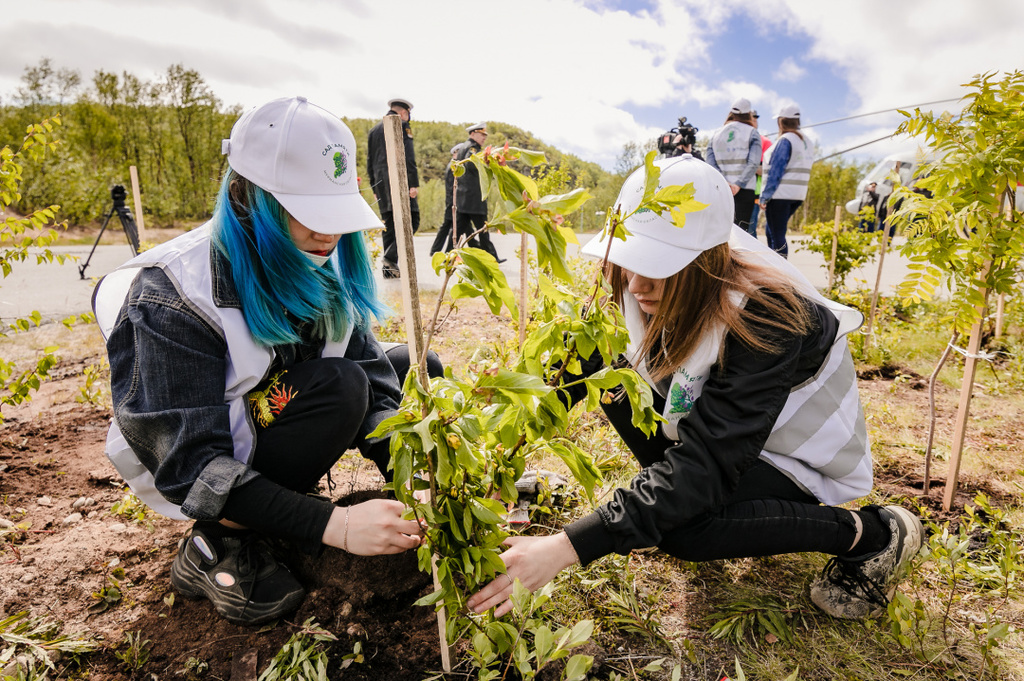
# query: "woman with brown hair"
x,y
735,151
763,431
789,171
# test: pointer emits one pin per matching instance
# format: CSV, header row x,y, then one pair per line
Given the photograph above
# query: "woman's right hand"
x,y
375,527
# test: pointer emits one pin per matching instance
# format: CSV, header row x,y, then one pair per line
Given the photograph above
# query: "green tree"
x,y
968,231
17,236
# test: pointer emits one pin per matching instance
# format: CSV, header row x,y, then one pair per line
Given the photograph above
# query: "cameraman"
x,y
679,141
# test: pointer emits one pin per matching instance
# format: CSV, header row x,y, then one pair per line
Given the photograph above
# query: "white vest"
x,y
731,145
186,262
793,184
819,439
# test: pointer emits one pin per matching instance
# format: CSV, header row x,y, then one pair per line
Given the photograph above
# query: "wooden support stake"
x,y
1000,314
964,407
524,286
878,285
395,144
137,195
835,250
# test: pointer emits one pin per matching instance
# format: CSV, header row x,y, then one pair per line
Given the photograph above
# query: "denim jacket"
x,y
168,364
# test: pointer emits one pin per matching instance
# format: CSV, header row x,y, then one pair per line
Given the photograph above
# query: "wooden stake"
x,y
137,195
835,250
878,285
964,407
524,280
395,143
1000,313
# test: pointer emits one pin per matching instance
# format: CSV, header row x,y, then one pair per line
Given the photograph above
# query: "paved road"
x,y
57,291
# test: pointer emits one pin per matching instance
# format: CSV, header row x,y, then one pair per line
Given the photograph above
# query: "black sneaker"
x,y
391,270
237,572
855,589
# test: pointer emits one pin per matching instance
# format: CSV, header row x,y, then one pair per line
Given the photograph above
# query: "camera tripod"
x,y
118,194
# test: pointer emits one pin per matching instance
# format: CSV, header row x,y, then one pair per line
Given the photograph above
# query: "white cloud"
x,y
789,71
576,73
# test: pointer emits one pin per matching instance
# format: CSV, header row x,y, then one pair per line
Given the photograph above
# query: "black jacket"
x,y
468,199
377,165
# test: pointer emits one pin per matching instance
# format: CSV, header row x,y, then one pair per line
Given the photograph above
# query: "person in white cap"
x,y
764,434
380,182
789,163
735,151
243,366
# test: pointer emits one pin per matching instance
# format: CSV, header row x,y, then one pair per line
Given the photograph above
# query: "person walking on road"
x,y
789,172
470,204
380,181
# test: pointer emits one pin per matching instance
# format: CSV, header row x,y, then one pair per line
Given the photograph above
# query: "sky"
x,y
586,76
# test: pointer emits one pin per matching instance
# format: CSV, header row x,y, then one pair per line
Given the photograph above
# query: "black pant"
x,y
443,241
766,515
389,240
743,206
325,402
466,224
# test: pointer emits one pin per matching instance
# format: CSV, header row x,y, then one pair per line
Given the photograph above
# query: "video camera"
x,y
671,142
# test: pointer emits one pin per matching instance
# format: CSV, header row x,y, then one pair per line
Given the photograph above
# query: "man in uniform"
x,y
470,205
380,182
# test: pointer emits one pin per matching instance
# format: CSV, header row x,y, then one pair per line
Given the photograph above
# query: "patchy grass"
x,y
963,612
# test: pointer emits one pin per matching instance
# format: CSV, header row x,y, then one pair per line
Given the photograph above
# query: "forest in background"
x,y
171,129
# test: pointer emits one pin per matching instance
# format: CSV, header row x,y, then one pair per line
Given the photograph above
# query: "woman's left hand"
x,y
534,561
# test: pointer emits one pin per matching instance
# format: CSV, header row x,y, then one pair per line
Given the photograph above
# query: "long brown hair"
x,y
747,118
696,300
790,125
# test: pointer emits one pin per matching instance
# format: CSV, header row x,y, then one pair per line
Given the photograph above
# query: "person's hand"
x,y
534,561
414,192
735,188
374,528
763,204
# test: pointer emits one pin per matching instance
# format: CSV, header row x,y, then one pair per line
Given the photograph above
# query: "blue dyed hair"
x,y
276,284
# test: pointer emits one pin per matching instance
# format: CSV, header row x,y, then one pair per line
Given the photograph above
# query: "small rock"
x,y
73,518
355,630
346,609
27,577
44,501
79,503
3,467
5,523
118,527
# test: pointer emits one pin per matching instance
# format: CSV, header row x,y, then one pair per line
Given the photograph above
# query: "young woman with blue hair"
x,y
243,366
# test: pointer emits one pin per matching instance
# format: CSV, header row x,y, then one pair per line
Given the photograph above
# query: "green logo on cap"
x,y
340,163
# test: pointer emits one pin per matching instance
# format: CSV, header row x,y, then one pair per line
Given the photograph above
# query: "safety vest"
x,y
819,439
793,184
731,145
186,261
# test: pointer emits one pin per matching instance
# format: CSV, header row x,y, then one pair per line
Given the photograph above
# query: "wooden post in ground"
x,y
524,288
137,195
835,250
394,140
964,407
878,285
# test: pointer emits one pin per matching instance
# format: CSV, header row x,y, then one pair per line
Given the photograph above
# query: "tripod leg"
x,y
81,268
130,229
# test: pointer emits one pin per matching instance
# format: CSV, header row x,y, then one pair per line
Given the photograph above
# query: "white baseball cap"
x,y
740,106
657,248
306,157
789,111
